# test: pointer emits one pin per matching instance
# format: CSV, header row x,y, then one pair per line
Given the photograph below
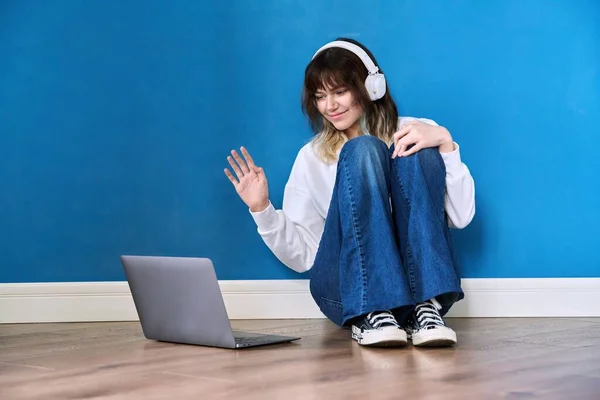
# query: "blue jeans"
x,y
386,244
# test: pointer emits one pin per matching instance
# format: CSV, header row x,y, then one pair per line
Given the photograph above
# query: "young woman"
x,y
368,205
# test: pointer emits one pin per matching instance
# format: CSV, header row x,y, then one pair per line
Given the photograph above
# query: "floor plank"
x,y
517,358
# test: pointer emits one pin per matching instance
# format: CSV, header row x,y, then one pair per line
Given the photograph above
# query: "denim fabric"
x,y
386,243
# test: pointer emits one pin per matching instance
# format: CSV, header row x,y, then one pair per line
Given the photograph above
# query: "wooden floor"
x,y
495,359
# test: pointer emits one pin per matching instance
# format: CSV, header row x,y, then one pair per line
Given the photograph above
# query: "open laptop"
x,y
178,300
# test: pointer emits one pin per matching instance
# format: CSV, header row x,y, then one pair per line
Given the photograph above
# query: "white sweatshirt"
x,y
294,232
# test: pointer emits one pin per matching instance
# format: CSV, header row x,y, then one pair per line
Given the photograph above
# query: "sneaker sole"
x,y
386,337
440,337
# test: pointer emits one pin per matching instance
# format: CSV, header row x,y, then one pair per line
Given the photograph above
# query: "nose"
x,y
331,103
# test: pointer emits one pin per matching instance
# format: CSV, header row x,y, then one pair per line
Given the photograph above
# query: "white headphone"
x,y
375,82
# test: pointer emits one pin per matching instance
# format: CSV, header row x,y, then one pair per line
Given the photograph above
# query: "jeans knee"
x,y
430,160
363,146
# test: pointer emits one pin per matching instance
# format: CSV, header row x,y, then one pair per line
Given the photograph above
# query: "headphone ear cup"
x,y
376,86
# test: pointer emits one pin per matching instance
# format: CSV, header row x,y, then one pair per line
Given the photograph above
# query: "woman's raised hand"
x,y
250,181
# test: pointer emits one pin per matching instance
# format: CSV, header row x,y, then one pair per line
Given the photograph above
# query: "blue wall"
x,y
116,118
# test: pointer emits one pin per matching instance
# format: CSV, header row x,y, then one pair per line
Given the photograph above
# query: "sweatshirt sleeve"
x,y
460,190
293,232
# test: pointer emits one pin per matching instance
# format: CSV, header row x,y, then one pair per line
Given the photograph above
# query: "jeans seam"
x,y
357,237
331,302
409,261
404,194
427,184
411,275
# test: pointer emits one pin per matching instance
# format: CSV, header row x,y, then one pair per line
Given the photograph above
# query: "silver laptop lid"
x,y
178,299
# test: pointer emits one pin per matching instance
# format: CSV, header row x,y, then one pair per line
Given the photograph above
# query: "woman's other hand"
x,y
422,135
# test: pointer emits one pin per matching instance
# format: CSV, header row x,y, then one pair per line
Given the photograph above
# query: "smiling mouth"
x,y
337,115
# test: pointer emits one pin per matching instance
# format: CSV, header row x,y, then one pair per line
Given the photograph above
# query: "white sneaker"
x,y
379,328
427,328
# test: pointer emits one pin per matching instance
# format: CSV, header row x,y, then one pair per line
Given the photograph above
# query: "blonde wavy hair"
x,y
337,67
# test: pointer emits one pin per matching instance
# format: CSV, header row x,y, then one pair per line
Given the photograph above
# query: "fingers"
x,y
412,150
402,145
236,169
401,140
415,133
231,178
259,172
241,162
398,150
240,166
247,157
402,132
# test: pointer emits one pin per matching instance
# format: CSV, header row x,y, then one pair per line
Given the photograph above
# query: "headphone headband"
x,y
371,67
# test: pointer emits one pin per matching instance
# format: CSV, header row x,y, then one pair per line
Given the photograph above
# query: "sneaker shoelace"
x,y
428,316
380,319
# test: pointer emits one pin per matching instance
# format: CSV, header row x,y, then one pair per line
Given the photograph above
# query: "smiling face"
x,y
337,105
334,95
336,102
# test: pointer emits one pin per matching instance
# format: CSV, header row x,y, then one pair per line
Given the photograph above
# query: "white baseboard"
x,y
290,299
